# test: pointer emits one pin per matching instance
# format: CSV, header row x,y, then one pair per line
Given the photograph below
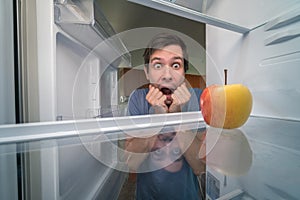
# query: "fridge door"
x,y
7,96
8,164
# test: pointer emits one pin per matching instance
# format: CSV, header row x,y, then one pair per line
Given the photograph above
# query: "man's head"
x,y
162,40
166,61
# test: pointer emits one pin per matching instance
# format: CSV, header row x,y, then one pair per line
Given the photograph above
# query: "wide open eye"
x,y
157,65
176,66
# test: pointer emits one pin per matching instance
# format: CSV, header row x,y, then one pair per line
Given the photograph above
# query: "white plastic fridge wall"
x,y
60,173
73,65
266,61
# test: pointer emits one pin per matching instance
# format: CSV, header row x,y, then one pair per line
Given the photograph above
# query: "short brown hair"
x,y
162,40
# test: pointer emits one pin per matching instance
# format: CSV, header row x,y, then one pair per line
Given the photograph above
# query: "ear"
x,y
146,72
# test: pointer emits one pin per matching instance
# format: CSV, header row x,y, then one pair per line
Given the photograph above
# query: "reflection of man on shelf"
x,y
170,170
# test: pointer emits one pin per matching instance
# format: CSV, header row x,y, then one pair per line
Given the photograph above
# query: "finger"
x,y
183,93
176,100
178,96
181,97
183,89
151,93
161,101
155,97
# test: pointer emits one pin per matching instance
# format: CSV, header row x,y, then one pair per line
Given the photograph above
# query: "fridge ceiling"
x,y
249,14
235,15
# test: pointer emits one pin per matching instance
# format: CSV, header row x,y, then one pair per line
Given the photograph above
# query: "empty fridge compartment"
x,y
85,22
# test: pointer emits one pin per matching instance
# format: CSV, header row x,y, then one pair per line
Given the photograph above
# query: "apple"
x,y
226,106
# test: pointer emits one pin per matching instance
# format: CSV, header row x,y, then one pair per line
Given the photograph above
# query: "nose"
x,y
167,74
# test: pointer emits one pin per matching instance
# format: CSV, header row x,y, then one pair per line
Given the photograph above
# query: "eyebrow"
x,y
155,58
174,58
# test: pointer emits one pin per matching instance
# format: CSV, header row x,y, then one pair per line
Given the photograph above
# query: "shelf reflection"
x,y
228,151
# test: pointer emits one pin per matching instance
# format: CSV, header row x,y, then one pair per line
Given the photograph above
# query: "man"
x,y
165,66
166,61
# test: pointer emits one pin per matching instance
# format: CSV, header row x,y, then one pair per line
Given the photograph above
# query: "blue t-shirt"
x,y
163,184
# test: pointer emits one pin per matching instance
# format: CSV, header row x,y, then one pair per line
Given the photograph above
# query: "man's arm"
x,y
137,149
192,143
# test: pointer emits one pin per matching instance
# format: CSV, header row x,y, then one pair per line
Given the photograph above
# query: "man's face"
x,y
166,67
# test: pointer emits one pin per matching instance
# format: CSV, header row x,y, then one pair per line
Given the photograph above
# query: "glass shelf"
x,y
77,159
261,161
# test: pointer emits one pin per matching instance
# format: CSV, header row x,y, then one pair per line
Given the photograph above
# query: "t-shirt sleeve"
x,y
194,102
197,93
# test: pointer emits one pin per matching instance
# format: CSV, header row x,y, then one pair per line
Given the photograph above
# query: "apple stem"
x,y
225,73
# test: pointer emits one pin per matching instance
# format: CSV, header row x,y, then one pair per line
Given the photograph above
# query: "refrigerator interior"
x,y
256,42
61,163
266,60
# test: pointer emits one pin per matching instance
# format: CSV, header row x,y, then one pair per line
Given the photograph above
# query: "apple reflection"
x,y
228,151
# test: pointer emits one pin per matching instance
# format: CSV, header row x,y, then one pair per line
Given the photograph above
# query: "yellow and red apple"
x,y
226,106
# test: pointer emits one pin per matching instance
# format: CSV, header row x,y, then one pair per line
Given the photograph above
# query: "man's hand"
x,y
157,100
180,97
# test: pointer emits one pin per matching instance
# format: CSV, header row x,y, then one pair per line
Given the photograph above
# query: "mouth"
x,y
168,92
171,87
